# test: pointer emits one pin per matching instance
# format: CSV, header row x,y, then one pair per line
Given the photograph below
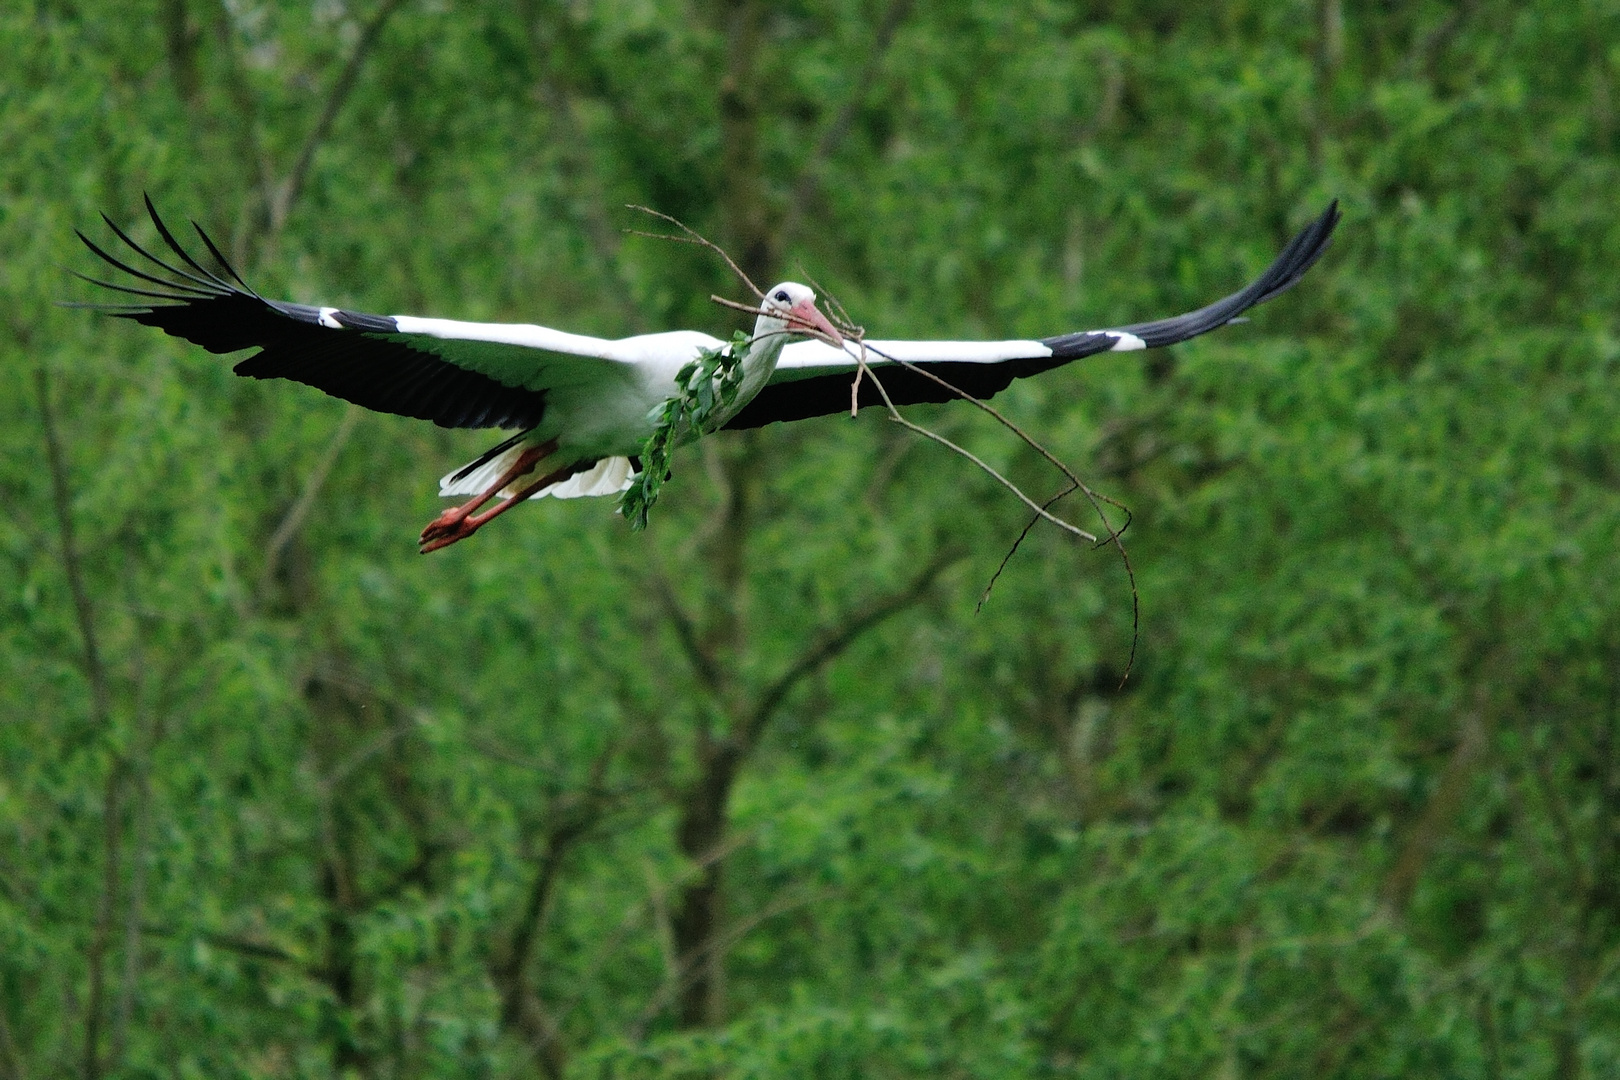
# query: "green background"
x,y
757,793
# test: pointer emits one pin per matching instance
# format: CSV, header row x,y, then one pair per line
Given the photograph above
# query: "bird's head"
x,y
791,308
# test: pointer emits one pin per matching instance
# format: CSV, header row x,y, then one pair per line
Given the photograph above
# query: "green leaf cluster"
x,y
707,388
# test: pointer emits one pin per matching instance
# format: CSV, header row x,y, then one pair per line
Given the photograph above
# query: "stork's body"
x,y
592,429
581,405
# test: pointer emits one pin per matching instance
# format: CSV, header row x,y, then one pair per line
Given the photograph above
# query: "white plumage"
x,y
582,405
610,476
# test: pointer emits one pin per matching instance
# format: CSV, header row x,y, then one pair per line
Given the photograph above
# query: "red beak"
x,y
805,318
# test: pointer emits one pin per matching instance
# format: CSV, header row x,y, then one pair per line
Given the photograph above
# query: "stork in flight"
x,y
580,405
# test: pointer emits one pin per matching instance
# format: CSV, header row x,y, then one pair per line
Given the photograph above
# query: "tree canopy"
x,y
759,792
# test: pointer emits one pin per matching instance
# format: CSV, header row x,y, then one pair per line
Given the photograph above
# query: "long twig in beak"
x,y
1094,497
852,335
692,237
795,327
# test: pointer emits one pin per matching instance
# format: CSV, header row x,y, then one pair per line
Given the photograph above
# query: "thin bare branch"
x,y
1095,498
831,643
840,315
894,414
101,722
751,309
804,188
694,237
1007,558
686,631
62,502
299,513
715,947
1001,418
288,191
1125,557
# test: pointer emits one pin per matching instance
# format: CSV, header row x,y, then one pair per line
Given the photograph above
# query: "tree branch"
x,y
62,501
831,643
1437,815
288,191
101,722
521,1008
1095,498
809,180
686,631
299,513
894,414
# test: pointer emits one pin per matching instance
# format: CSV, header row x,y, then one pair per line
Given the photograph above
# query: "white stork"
x,y
580,405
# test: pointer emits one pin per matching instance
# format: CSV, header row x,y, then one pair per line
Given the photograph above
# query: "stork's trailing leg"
x,y
451,520
467,523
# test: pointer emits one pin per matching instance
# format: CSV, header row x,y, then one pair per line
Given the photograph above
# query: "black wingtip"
x,y
1296,258
140,275
183,298
176,247
175,283
229,269
1302,253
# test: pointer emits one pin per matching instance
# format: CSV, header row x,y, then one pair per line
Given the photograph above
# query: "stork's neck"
x,y
760,363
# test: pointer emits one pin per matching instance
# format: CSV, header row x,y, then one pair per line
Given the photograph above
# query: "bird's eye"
x,y
781,294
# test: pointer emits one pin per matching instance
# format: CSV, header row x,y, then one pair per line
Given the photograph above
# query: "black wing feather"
x,y
1283,273
208,282
821,395
182,297
201,294
351,363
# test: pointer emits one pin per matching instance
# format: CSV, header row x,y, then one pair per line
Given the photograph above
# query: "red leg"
x,y
466,525
451,519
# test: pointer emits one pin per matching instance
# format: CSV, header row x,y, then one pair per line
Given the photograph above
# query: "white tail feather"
x,y
480,478
608,476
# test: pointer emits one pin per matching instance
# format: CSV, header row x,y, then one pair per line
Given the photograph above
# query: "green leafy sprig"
x,y
705,389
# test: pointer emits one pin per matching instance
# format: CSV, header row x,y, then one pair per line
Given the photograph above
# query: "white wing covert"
x,y
815,379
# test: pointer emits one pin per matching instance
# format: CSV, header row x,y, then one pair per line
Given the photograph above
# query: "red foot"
x,y
461,522
445,534
446,523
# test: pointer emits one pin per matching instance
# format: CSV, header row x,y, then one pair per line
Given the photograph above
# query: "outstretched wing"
x,y
457,374
814,379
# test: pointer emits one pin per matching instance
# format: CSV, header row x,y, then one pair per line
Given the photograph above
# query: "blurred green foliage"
x,y
755,793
